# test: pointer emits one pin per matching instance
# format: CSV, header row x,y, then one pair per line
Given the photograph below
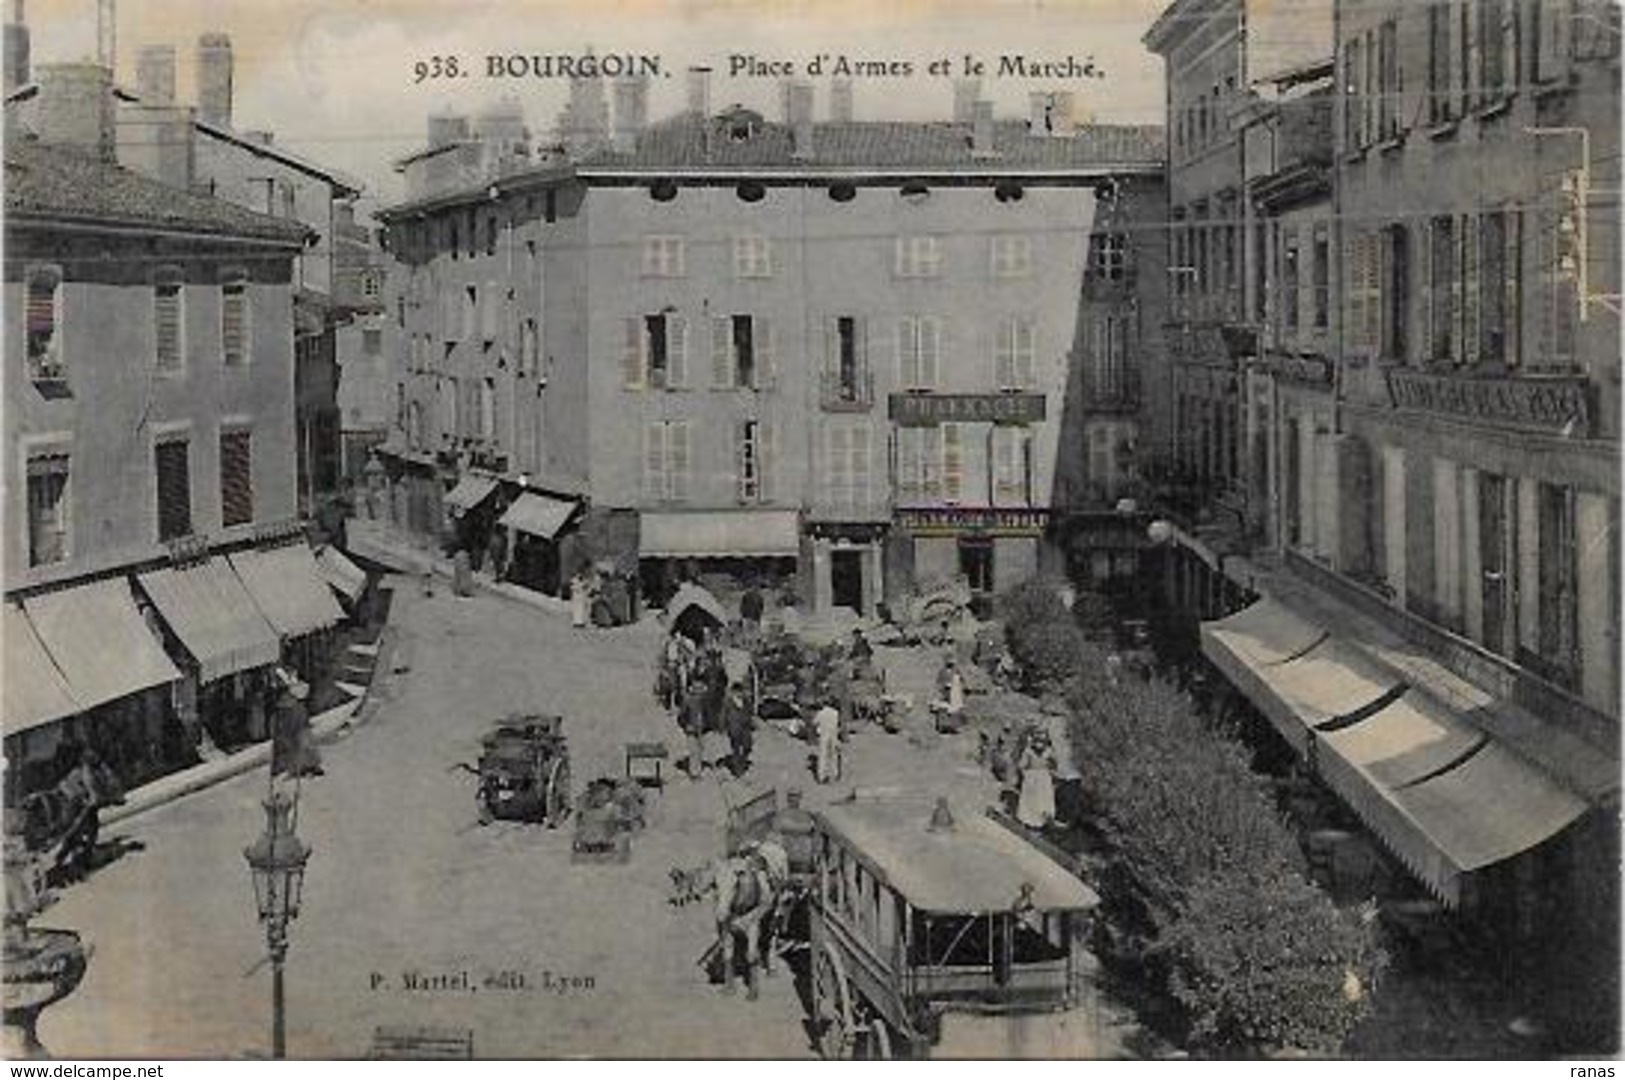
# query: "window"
x,y
655,352
1013,353
168,318
234,320
372,341
847,366
919,464
741,352
1353,107
47,508
1558,606
1012,257
1443,290
1440,103
1289,279
471,312
1100,457
751,460
172,464
236,478
1110,256
919,344
1396,292
1011,464
530,359
473,236
753,257
372,285
666,461
663,256
846,465
1552,25
1498,279
1388,81
44,319
453,241
1558,257
1466,55
490,234
918,257
953,461
1497,47
490,312
1110,376
1322,278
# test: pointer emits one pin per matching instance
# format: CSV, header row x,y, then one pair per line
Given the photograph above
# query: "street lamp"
x,y
277,863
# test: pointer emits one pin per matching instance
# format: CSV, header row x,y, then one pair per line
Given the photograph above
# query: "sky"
x,y
334,79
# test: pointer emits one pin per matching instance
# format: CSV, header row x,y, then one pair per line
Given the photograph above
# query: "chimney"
x,y
1063,121
699,91
840,100
446,129
588,113
76,107
214,79
631,112
799,107
16,48
966,91
981,141
155,74
1042,120
157,141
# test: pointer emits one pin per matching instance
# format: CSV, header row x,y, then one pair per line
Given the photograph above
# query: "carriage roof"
x,y
977,865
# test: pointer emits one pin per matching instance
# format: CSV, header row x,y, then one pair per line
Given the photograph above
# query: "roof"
x,y
976,866
689,141
342,184
70,185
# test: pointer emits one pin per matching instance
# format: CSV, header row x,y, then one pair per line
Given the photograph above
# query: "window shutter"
x,y
766,460
174,490
1355,263
677,462
931,345
766,358
1472,81
1469,288
654,461
1424,271
907,348
745,485
166,315
676,352
236,479
1512,268
861,465
1027,351
908,464
1373,289
953,463
234,322
633,368
836,477
722,352
900,258
1003,358
860,334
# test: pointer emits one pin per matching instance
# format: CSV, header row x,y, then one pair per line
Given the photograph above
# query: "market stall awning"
x,y
470,491
538,515
99,641
33,692
720,533
210,610
288,588
345,577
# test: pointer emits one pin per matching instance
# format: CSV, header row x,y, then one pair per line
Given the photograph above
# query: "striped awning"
x,y
210,610
288,588
720,533
33,691
538,515
344,576
470,491
100,642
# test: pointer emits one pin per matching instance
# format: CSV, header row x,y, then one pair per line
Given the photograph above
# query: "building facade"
x,y
837,350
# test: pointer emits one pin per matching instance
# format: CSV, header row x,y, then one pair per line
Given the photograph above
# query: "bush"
x,y
1254,954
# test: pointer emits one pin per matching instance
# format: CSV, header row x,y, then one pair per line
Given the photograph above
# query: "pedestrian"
x,y
578,599
860,650
293,751
738,722
1036,806
950,701
751,607
797,831
827,730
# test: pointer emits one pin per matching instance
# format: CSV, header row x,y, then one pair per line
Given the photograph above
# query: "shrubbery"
x,y
1205,870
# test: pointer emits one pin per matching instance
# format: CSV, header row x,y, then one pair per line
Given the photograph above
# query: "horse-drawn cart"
x,y
524,771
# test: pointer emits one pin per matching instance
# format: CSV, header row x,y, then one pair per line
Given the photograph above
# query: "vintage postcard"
x,y
755,529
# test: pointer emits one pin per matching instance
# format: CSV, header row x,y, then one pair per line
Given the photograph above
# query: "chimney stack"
x,y
1041,121
840,100
699,91
16,48
214,73
981,144
799,115
76,107
155,74
1063,121
631,112
588,114
966,91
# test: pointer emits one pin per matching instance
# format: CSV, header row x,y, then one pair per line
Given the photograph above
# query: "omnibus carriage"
x,y
944,934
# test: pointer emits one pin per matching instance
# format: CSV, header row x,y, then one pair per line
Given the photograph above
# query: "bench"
x,y
405,1043
639,755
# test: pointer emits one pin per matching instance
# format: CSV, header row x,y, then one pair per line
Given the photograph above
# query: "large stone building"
x,y
833,348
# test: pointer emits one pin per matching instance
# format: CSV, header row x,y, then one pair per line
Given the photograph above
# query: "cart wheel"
x,y
558,792
832,1006
877,1042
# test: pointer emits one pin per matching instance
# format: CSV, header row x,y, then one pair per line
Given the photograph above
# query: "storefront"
x,y
845,562
745,546
413,492
536,525
993,549
475,504
288,588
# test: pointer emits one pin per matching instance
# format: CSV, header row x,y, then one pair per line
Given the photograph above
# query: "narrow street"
x,y
403,879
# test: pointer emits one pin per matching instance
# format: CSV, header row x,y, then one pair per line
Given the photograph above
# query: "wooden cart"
x,y
524,771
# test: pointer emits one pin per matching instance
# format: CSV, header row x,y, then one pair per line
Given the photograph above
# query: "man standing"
x,y
738,723
827,730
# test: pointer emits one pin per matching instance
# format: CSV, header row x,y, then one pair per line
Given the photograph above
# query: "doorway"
x,y
846,579
976,563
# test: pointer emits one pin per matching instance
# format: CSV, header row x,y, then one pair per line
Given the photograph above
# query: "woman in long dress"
x,y
579,600
1036,807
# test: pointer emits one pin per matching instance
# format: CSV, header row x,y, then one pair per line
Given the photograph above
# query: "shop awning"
x,y
538,515
210,610
470,491
32,691
99,641
344,576
288,588
721,533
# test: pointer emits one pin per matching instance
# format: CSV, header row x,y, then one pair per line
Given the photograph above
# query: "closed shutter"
x,y
861,465
676,352
1004,360
908,353
677,460
1552,36
174,489
908,463
166,318
747,467
234,322
633,362
766,353
722,352
1373,289
1355,261
1469,288
1512,263
236,478
1006,462
860,345
837,465
953,462
654,462
767,460
931,347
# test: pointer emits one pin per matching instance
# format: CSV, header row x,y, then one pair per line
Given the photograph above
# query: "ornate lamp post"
x,y
277,863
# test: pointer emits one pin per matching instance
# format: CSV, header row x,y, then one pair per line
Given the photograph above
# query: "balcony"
x,y
855,394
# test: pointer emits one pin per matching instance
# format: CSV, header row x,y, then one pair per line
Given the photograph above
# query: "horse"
x,y
749,887
63,820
